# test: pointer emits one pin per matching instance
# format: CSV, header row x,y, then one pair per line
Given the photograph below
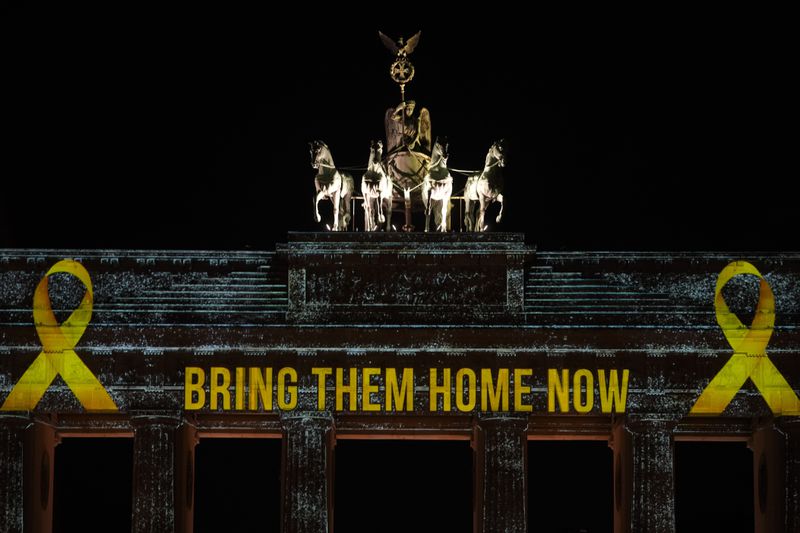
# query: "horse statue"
x,y
485,187
377,190
331,184
437,186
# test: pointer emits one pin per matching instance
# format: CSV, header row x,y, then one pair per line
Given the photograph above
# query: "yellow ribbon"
x,y
58,356
749,358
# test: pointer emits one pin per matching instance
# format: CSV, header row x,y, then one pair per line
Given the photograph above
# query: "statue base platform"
x,y
391,278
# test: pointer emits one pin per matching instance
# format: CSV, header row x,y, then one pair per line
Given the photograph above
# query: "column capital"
x,y
140,419
636,424
292,419
509,421
15,422
789,425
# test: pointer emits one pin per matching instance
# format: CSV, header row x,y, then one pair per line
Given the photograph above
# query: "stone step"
x,y
202,292
237,287
541,274
611,296
610,292
187,297
625,309
249,279
633,314
647,319
557,284
153,308
231,281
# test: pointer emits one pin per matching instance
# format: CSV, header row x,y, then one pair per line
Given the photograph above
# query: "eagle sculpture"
x,y
399,48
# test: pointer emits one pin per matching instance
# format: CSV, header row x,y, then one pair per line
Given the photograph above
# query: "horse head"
x,y
375,152
320,154
441,151
498,152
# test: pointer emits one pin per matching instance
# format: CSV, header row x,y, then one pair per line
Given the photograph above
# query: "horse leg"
x,y
379,203
335,198
467,211
387,212
319,196
374,204
367,215
427,209
500,214
445,205
345,209
481,212
365,205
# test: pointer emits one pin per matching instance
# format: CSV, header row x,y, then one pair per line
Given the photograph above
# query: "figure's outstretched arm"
x,y
398,111
393,131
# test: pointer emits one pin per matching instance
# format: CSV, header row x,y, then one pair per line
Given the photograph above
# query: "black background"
x,y
181,128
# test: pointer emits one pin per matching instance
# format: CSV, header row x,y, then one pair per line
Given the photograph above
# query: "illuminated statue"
x,y
409,129
438,187
377,190
331,184
485,187
408,138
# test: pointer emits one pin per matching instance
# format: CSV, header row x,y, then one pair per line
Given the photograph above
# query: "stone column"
x,y
307,472
790,427
154,473
12,432
776,476
623,480
184,478
644,476
769,483
501,471
39,465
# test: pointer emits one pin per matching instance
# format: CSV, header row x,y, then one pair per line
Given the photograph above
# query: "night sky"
x,y
189,129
